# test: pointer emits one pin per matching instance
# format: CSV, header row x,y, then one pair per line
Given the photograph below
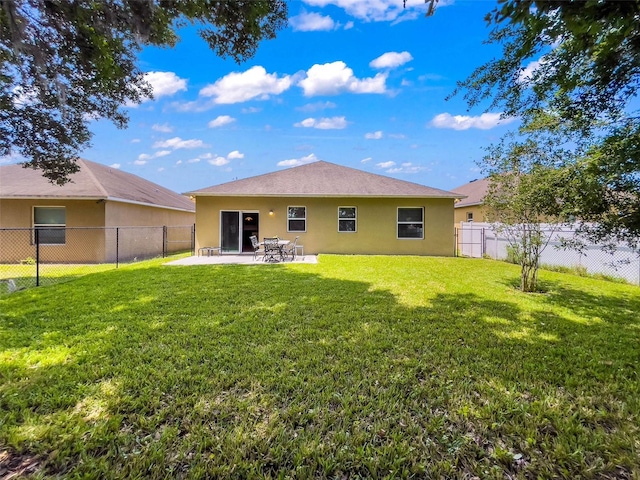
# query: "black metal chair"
x,y
291,249
256,246
272,252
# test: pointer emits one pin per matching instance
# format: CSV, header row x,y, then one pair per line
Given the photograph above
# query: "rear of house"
x,y
333,209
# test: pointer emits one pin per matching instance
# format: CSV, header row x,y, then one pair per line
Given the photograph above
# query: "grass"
x,y
24,274
379,367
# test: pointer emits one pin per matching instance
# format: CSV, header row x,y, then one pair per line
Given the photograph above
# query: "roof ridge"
x,y
93,177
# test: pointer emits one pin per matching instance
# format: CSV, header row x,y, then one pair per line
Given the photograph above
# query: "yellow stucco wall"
x,y
81,245
145,237
376,224
477,210
93,245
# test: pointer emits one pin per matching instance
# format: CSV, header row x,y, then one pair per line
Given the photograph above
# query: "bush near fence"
x,y
480,239
26,261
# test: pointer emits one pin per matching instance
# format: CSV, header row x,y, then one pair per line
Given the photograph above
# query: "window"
x,y
50,222
297,219
411,222
346,219
469,216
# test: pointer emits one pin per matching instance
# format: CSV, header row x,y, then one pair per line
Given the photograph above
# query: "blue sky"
x,y
360,83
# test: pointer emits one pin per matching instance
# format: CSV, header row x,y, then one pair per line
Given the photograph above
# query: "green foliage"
x,y
523,192
65,63
28,261
429,368
580,94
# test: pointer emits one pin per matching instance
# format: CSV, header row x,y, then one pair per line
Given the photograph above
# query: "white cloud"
x,y
365,160
408,167
334,78
179,162
391,60
176,142
239,87
219,161
373,135
139,162
312,22
145,156
294,162
378,10
161,169
251,110
235,155
527,73
314,107
397,136
135,140
165,84
115,165
220,121
164,128
193,160
386,164
333,123
485,121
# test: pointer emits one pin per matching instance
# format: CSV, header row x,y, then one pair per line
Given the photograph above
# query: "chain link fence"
x,y
41,256
480,240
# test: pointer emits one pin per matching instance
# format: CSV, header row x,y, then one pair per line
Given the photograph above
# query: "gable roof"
x,y
93,182
474,191
323,179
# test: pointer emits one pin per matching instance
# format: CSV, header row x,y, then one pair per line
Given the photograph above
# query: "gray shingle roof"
x,y
94,181
323,179
475,192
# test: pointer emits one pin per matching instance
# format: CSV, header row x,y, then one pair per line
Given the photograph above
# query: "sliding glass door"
x,y
236,228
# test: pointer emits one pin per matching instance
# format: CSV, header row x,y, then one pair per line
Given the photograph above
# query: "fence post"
x,y
193,239
37,239
164,241
455,244
117,246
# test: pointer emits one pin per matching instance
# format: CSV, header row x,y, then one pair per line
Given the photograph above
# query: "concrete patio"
x,y
246,259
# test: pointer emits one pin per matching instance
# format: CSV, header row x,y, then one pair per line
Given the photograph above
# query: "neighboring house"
x,y
333,209
68,216
470,209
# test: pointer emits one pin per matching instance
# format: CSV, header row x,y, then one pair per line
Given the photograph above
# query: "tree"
x,y
570,70
66,62
522,199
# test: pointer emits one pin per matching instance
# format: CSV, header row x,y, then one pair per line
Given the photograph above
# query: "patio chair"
x,y
272,252
292,248
256,246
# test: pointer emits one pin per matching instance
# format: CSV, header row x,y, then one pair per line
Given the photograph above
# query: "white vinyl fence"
x,y
480,239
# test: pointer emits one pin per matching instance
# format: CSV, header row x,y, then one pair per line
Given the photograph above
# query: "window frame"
x,y
343,219
289,219
469,216
48,226
398,223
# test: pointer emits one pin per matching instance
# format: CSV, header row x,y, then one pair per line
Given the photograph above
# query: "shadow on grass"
x,y
240,371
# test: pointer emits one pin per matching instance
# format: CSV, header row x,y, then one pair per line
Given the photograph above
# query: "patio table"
x,y
281,256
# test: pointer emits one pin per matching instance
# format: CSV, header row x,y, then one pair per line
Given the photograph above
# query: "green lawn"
x,y
355,367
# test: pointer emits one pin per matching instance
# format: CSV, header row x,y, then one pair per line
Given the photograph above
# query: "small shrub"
x,y
28,261
514,254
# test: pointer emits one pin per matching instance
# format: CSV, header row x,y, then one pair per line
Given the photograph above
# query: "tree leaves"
x,y
65,63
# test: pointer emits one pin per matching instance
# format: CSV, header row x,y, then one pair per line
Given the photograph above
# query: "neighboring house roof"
x,y
323,179
93,182
475,192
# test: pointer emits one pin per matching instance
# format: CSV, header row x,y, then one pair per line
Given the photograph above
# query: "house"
x,y
95,217
470,209
332,208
